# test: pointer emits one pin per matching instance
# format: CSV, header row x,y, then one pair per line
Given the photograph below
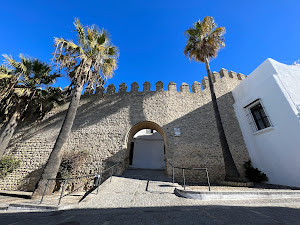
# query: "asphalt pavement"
x,y
146,197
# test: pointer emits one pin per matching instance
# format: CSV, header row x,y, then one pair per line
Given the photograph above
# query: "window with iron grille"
x,y
257,116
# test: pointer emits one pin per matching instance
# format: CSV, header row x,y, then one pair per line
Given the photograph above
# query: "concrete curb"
x,y
237,195
32,207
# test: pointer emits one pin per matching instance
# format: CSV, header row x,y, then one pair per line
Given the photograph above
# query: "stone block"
x,y
159,86
184,87
111,89
172,86
224,73
196,87
146,86
134,87
122,88
205,83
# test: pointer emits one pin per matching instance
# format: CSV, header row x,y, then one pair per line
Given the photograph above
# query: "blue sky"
x,y
150,36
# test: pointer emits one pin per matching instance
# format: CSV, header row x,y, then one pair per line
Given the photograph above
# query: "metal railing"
x,y
97,181
188,168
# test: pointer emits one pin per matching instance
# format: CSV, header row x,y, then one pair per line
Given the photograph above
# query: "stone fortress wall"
x,y
106,122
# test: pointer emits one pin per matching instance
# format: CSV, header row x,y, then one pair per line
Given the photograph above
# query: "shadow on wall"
x,y
87,117
82,184
92,111
198,145
28,183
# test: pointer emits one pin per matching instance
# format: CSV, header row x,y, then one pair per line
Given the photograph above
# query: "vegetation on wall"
x,y
254,174
8,165
71,162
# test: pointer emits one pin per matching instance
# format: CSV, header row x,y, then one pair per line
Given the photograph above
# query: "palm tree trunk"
x,y
9,130
231,172
52,166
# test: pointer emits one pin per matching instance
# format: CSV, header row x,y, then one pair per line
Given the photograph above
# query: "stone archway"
x,y
154,155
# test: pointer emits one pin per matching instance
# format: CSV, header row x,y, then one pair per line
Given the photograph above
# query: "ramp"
x,y
135,188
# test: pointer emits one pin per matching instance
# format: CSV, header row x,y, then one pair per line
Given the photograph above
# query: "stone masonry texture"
x,y
106,122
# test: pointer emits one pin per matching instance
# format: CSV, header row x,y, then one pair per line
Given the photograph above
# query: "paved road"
x,y
160,215
146,197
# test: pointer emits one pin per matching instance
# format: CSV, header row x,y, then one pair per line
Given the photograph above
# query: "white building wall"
x,y
274,150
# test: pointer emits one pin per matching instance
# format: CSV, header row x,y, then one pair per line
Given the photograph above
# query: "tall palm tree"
x,y
204,41
92,59
24,90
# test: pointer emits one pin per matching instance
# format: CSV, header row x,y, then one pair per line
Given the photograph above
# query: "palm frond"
x,y
91,58
204,40
5,76
80,32
108,67
102,37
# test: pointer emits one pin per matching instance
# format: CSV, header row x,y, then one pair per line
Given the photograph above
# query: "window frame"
x,y
251,120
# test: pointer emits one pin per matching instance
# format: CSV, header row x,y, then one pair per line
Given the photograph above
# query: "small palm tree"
x,y
24,91
90,61
204,41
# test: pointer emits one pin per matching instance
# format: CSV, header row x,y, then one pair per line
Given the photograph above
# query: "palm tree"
x,y
23,93
204,41
7,80
90,61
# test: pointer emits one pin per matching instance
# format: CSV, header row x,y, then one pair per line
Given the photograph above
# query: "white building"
x,y
268,110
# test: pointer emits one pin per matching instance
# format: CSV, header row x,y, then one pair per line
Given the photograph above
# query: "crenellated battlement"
x,y
222,76
108,118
